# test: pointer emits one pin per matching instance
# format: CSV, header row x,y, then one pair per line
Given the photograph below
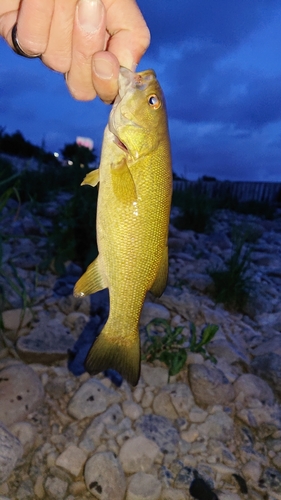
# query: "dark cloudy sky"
x,y
219,63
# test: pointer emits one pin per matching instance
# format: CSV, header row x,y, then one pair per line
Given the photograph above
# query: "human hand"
x,y
86,40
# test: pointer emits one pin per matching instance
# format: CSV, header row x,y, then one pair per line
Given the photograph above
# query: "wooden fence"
x,y
242,191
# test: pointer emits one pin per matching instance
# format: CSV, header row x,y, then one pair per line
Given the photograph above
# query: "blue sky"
x,y
219,64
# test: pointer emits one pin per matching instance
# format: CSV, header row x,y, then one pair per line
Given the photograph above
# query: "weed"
x,y
232,283
169,348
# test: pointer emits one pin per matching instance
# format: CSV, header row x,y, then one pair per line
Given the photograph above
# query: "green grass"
x,y
168,347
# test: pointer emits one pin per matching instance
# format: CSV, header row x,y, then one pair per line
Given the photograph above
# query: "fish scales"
x,y
134,199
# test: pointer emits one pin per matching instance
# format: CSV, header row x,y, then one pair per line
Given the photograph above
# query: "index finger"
x,y
129,34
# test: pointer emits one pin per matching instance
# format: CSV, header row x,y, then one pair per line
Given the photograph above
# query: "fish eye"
x,y
154,101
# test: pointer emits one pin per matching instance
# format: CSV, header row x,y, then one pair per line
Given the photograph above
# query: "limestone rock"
x,y
21,391
109,420
47,342
252,471
272,320
132,410
91,399
56,488
138,454
268,367
182,398
182,302
172,494
160,430
217,426
14,319
163,406
249,386
26,433
143,487
271,480
209,385
155,376
151,310
11,451
104,477
221,348
72,459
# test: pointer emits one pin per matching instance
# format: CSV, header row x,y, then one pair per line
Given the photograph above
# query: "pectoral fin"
x,y
92,178
91,281
160,282
123,183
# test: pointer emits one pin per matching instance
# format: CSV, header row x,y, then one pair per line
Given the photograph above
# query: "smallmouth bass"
x,y
133,210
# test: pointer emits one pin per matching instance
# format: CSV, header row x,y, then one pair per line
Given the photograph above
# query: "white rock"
x,y
250,386
163,406
172,494
155,376
229,495
21,391
151,310
197,415
138,454
13,319
72,460
209,385
252,471
26,433
138,393
91,399
104,477
11,451
132,410
143,487
191,435
182,398
56,488
147,399
217,426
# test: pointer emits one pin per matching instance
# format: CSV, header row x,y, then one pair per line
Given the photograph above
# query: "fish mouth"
x,y
128,82
119,143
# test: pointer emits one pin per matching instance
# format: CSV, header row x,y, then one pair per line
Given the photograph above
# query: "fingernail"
x,y
90,14
103,68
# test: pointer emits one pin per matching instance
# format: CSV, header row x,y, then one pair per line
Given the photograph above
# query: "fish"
x,y
133,210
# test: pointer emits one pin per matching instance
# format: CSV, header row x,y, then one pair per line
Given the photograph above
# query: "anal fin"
x,y
160,282
91,281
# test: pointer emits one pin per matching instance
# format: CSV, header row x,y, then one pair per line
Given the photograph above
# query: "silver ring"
x,y
17,48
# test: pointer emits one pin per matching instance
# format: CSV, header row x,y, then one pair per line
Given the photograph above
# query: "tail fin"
x,y
110,351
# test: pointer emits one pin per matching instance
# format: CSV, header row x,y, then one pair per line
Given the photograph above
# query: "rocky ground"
x,y
68,437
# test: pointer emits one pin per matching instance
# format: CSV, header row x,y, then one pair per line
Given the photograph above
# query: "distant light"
x,y
56,155
70,162
82,165
86,142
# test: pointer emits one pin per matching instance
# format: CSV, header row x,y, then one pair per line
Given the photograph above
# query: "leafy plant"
x,y
232,283
169,347
207,335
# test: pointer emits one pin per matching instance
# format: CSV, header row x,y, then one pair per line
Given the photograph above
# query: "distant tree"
x,y
80,155
16,145
177,177
208,178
